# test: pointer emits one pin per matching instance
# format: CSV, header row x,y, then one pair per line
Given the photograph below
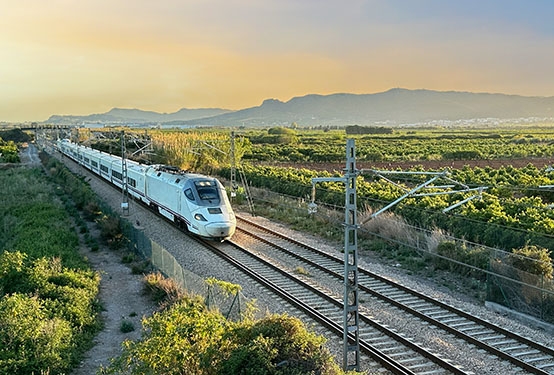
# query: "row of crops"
x,y
407,145
512,212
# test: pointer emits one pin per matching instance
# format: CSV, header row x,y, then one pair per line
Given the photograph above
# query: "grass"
x,y
34,221
126,326
302,271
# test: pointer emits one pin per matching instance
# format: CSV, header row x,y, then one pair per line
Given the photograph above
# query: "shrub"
x,y
126,326
33,341
277,344
162,288
533,259
110,231
189,338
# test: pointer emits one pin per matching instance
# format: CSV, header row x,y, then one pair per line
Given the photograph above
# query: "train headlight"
x,y
200,217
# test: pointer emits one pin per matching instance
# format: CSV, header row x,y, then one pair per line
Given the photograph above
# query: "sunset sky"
x,y
88,56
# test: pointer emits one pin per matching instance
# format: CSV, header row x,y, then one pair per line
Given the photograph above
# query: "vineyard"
x,y
408,145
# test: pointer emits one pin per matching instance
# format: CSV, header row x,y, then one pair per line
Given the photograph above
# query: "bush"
x,y
162,289
277,344
126,326
48,311
189,338
33,341
110,231
533,259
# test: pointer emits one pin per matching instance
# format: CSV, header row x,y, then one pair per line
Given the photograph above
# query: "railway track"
x,y
526,354
391,350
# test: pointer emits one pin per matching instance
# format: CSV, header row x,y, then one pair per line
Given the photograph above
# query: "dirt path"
x,y
122,299
121,295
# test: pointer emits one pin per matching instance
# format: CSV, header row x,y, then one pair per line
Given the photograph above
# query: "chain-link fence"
x,y
232,304
519,290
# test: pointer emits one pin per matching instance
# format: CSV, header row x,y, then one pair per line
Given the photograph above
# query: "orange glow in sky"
x,y
83,57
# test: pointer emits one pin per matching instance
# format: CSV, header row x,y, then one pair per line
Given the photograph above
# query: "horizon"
x,y
64,58
299,96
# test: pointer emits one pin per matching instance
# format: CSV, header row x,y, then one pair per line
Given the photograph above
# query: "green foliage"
x,y
402,145
161,288
126,326
533,259
45,312
462,155
196,150
9,152
48,305
32,340
280,130
507,220
32,221
80,192
110,231
227,287
463,256
277,344
15,135
188,338
357,129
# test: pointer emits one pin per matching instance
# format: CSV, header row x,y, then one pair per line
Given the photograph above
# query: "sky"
x,y
70,57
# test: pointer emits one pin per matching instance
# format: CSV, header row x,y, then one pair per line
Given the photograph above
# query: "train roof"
x,y
170,170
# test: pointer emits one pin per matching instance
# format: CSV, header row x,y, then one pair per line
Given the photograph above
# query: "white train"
x,y
195,202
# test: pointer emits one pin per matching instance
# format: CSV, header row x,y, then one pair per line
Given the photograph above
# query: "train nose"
x,y
222,230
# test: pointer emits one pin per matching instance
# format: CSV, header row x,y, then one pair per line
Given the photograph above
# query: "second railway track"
x,y
391,350
526,354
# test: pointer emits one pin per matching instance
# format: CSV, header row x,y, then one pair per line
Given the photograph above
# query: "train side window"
x,y
189,194
117,175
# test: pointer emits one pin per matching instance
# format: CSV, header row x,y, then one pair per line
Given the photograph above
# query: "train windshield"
x,y
207,191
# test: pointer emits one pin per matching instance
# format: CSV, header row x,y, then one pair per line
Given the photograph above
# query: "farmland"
x,y
444,145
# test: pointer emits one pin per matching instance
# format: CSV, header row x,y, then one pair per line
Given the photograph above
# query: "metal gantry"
x,y
351,347
351,339
437,189
233,167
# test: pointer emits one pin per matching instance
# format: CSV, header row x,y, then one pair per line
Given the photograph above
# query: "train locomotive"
x,y
195,202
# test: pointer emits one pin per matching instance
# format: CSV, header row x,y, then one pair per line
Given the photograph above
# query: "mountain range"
x,y
393,107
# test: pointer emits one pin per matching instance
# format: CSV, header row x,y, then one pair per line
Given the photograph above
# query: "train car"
x,y
195,202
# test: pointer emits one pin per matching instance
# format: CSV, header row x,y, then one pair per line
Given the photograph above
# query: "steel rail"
x,y
335,327
491,349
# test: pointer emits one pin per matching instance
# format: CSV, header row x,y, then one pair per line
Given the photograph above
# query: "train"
x,y
194,202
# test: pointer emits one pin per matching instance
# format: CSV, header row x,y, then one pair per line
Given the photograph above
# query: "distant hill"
x,y
392,107
137,116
